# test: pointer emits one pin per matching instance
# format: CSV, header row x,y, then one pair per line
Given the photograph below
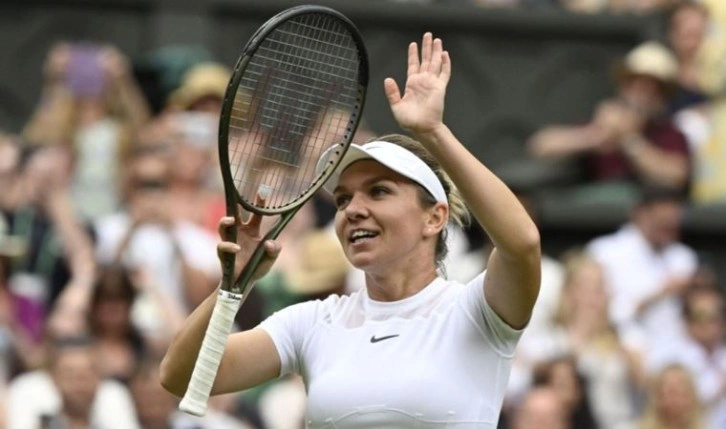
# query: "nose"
x,y
355,208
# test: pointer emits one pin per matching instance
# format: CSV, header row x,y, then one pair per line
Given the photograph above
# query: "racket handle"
x,y
210,355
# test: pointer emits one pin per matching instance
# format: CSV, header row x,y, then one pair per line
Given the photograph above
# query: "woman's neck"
x,y
397,285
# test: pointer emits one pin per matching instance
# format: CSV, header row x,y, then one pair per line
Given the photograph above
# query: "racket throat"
x,y
244,280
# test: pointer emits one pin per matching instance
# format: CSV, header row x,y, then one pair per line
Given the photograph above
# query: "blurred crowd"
x,y
577,6
111,198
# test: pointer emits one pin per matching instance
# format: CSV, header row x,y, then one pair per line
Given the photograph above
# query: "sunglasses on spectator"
x,y
705,316
151,184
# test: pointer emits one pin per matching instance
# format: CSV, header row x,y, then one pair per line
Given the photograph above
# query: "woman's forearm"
x,y
178,363
491,202
513,269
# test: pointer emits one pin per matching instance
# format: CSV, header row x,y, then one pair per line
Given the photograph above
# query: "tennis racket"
x,y
297,90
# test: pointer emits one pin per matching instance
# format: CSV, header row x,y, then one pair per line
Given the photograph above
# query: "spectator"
x,y
194,190
713,50
178,255
57,252
157,408
687,26
187,127
672,402
120,344
541,408
648,268
705,127
69,385
202,89
630,140
562,375
704,353
91,105
612,370
76,377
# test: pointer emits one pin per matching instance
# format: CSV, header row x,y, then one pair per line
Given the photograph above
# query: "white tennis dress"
x,y
440,358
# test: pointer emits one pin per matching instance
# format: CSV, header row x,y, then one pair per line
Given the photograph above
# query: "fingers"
x,y
263,193
445,66
272,251
413,62
227,247
393,94
426,51
223,229
436,57
433,58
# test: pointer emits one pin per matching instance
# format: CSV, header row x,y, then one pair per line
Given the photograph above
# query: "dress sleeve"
x,y
288,329
495,331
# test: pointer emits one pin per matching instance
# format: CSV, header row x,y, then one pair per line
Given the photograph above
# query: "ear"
x,y
436,219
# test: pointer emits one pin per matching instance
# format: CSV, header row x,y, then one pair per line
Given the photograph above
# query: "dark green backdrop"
x,y
513,70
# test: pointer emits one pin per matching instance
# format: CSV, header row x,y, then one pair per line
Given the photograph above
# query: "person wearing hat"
x,y
412,348
630,139
202,88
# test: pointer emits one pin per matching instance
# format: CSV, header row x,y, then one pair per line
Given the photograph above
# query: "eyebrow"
x,y
367,182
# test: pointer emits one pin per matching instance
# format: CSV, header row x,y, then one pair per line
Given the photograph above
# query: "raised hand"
x,y
420,109
248,237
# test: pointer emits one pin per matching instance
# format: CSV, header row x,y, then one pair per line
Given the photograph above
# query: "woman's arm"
x,y
134,106
250,357
513,273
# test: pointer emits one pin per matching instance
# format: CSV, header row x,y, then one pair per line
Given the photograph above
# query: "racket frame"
x,y
233,292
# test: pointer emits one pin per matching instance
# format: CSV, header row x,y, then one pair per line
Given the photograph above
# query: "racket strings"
x,y
297,97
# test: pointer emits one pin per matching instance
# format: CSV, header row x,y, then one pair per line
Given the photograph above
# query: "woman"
x,y
673,402
612,369
562,375
92,107
120,344
412,348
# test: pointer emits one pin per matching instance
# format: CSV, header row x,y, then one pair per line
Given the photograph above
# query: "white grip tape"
x,y
210,355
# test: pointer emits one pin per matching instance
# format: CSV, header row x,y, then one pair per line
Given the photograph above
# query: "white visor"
x,y
391,155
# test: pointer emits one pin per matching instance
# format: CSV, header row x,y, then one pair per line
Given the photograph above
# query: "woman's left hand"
x,y
421,108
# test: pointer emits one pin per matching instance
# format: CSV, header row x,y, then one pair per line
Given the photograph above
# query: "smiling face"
x,y
380,221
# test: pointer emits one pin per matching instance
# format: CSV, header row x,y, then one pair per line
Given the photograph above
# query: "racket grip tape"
x,y
210,355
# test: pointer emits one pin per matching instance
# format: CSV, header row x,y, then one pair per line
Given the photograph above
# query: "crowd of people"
x,y
109,233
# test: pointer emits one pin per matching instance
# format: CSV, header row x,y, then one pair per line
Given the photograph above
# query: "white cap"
x,y
391,155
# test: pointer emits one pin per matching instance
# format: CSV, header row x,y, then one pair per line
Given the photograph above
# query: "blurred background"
x,y
607,118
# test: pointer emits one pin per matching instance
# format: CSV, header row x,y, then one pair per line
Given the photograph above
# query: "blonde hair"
x,y
459,214
651,417
573,261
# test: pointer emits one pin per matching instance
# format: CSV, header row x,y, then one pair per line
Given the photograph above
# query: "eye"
x,y
341,200
379,191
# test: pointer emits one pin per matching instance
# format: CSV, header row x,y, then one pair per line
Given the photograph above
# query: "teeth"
x,y
361,234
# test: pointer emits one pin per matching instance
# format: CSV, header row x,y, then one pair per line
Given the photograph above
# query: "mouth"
x,y
361,235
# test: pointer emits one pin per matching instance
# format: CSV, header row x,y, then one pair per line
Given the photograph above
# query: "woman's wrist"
x,y
433,136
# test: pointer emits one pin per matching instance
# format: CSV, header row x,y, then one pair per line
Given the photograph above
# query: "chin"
x,y
362,262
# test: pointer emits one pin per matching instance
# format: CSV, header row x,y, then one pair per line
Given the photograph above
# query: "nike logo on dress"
x,y
375,340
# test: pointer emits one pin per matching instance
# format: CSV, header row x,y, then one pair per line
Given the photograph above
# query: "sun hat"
x,y
650,59
321,266
391,155
202,80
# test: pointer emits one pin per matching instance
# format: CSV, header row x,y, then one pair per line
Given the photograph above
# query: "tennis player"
x,y
412,349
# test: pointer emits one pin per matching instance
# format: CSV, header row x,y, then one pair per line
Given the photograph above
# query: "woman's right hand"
x,y
248,238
